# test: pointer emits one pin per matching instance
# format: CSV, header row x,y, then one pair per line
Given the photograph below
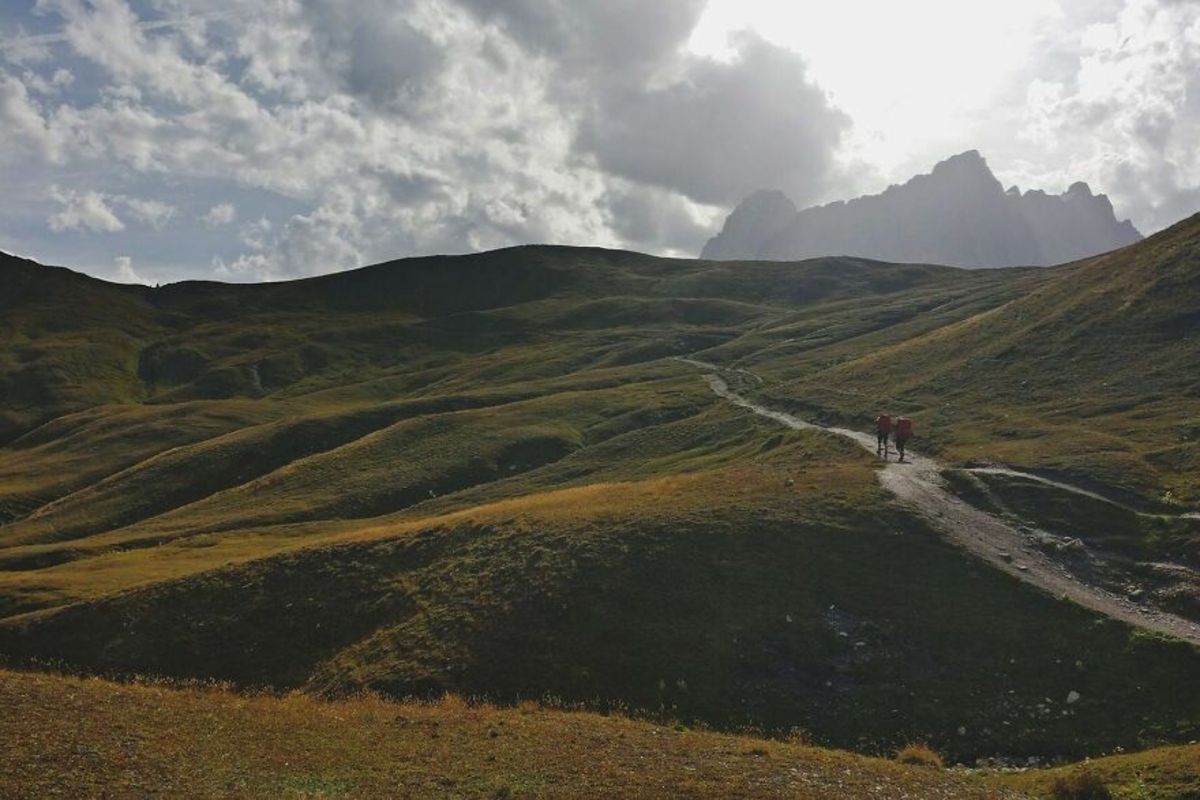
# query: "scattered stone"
x,y
1072,697
1047,542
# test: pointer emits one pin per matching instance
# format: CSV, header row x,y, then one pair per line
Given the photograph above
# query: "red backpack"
x,y
883,423
904,428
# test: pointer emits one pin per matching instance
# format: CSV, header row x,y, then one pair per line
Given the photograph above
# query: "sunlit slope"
x,y
757,578
414,482
85,737
1092,372
221,385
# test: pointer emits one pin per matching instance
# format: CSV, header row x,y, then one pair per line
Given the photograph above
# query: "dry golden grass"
x,y
919,754
90,738
760,485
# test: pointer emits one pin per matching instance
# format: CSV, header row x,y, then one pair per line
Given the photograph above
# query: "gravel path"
x,y
917,483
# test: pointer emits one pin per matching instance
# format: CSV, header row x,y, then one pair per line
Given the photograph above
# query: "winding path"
x,y
918,484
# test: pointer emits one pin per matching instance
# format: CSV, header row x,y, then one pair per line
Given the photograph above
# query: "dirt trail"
x,y
918,484
1066,487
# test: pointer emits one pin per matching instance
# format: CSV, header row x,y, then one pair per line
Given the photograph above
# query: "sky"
x,y
243,140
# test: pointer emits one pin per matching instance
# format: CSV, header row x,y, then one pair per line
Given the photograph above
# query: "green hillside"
x,y
201,741
1090,374
204,741
485,474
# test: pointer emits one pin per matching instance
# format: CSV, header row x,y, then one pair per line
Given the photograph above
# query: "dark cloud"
x,y
377,51
722,130
647,218
615,34
385,128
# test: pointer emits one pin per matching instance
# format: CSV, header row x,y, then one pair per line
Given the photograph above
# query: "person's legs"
x,y
900,448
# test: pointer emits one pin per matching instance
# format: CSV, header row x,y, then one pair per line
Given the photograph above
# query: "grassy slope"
x,y
1091,374
94,738
1165,773
716,594
478,474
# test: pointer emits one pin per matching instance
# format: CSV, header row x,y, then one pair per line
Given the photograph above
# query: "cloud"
x,y
598,41
94,211
219,215
83,211
646,217
154,213
1127,117
53,85
123,271
26,130
723,130
381,129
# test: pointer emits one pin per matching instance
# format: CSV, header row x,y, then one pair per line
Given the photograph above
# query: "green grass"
x,y
717,594
90,738
1088,372
484,475
1167,773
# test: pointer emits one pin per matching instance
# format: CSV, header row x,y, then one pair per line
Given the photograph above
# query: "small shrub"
x,y
920,754
1081,786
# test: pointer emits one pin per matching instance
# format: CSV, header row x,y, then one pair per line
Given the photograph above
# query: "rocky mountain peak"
x,y
958,213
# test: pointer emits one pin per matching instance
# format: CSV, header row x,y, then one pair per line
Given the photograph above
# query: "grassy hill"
x,y
483,474
1089,374
204,741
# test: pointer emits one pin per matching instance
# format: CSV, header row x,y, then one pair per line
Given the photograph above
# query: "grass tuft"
x,y
1081,786
919,754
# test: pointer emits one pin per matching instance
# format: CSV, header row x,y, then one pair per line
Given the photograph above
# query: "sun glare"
x,y
905,72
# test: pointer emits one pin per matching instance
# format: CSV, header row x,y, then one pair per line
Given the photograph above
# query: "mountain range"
x,y
957,214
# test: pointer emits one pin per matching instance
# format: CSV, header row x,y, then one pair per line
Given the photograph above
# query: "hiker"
x,y
903,434
883,429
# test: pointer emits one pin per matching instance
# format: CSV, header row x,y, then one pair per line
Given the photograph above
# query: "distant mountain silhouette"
x,y
958,214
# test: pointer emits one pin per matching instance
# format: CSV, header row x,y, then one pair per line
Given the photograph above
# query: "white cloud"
x,y
1127,119
94,211
26,130
83,211
385,128
123,271
154,213
469,141
53,85
219,215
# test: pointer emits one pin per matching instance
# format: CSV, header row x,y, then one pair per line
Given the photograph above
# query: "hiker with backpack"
x,y
904,428
883,429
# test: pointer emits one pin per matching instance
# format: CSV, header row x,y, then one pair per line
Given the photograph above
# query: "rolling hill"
x,y
486,474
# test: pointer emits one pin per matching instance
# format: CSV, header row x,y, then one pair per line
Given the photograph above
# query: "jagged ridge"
x,y
957,214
